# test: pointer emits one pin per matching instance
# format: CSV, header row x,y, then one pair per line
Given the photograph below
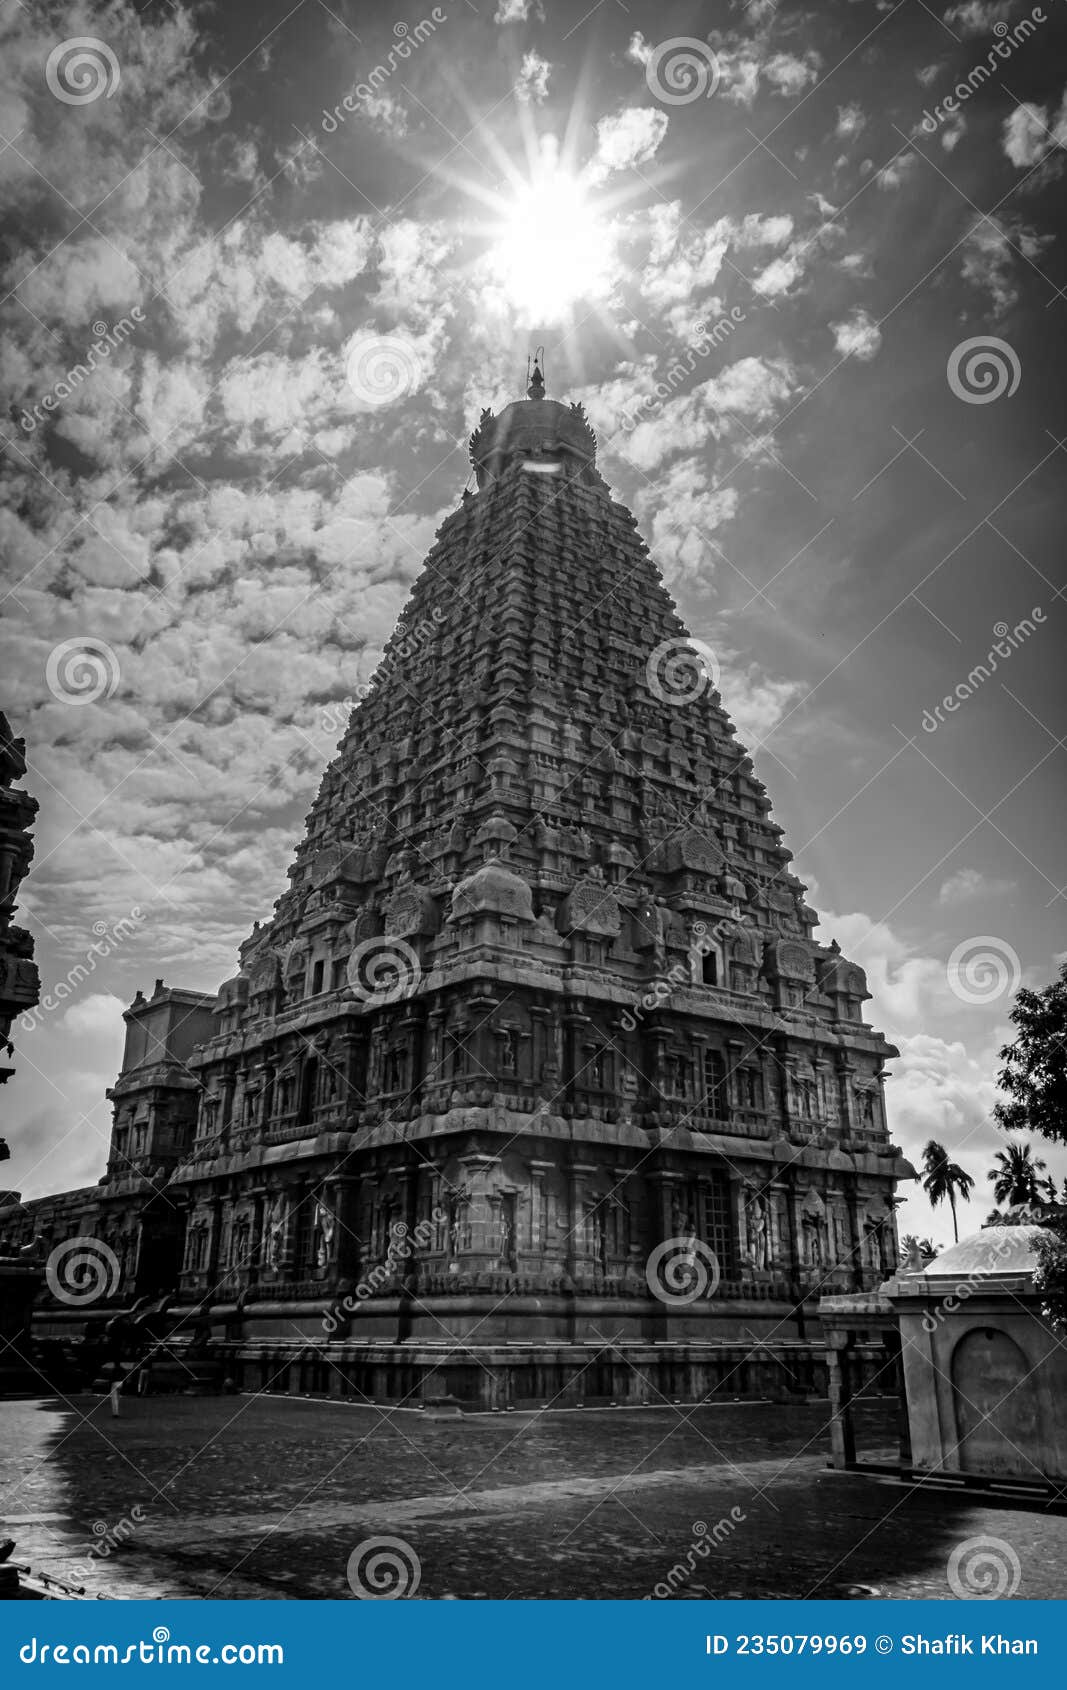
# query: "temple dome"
x,y
537,428
493,890
997,1252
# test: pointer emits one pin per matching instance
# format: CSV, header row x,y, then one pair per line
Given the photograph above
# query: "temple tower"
x,y
538,1038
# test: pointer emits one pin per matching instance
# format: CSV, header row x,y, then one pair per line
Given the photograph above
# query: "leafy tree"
x,y
1050,1275
922,1246
1015,1178
944,1179
1035,1072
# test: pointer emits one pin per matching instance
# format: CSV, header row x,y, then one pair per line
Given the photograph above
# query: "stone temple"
x,y
538,1045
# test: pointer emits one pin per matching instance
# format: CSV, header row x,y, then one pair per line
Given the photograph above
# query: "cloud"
x,y
850,122
953,133
969,883
977,17
991,256
789,75
382,111
897,171
1032,132
516,11
857,337
628,138
532,84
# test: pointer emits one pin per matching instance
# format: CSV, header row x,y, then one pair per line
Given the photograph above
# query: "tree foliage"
x,y
1017,1175
1034,1075
944,1180
1050,1275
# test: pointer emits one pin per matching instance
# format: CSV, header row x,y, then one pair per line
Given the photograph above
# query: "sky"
x,y
263,265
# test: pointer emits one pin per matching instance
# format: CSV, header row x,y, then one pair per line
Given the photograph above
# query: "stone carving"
x,y
590,908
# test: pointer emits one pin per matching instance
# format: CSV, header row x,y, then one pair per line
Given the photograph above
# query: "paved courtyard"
x,y
253,1497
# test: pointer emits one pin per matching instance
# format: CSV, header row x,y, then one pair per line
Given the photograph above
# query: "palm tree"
x,y
1016,1177
944,1179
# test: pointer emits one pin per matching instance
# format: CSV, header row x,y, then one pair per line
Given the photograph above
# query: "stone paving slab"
x,y
258,1497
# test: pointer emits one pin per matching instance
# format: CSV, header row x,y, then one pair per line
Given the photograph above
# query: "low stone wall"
x,y
282,1349
532,1376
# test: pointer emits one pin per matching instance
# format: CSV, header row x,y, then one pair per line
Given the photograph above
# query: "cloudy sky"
x,y
309,242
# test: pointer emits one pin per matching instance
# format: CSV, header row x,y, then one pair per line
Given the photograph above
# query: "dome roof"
x,y
495,890
532,427
997,1252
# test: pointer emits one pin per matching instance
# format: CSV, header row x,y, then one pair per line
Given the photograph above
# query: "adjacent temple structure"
x,y
541,1004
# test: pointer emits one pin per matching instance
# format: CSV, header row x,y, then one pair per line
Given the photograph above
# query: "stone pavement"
x,y
268,1496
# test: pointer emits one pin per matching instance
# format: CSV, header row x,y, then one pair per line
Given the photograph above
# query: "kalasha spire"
x,y
543,988
536,389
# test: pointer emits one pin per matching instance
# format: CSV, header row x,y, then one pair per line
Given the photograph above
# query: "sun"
x,y
553,247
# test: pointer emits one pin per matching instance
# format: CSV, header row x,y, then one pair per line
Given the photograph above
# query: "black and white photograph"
x,y
533,902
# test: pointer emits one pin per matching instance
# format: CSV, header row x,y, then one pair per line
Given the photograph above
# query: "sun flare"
x,y
553,247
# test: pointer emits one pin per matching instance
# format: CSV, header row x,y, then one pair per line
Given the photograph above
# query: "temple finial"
x,y
536,389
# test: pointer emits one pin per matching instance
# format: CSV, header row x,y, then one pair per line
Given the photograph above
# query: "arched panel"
x,y
995,1403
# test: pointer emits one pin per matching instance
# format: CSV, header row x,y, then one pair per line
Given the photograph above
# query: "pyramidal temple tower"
x,y
538,1044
